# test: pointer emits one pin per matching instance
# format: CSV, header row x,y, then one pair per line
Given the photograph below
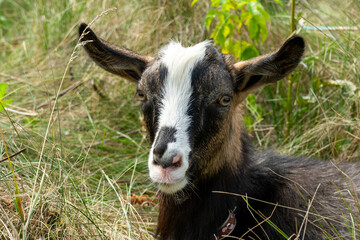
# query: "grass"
x,y
86,152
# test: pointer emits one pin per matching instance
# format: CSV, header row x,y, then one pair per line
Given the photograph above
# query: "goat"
x,y
213,183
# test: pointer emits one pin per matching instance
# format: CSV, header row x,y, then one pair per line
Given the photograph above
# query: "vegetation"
x,y
233,18
86,152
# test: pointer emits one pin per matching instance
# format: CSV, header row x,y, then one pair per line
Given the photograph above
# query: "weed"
x,y
93,149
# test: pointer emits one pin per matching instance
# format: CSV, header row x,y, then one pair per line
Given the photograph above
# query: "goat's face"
x,y
186,98
189,96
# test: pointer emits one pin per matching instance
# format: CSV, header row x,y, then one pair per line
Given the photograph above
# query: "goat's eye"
x,y
141,95
224,100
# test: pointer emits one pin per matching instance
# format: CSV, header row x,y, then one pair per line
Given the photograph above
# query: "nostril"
x,y
172,162
177,161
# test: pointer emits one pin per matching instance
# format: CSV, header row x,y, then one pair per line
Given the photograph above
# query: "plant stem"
x,y
17,192
12,155
290,81
292,20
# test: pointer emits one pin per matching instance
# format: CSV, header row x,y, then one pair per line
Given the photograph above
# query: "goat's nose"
x,y
159,150
174,162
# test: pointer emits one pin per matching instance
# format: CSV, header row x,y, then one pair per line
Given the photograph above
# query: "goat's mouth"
x,y
169,172
170,188
169,180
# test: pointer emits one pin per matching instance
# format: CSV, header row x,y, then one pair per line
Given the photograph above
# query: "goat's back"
x,y
318,198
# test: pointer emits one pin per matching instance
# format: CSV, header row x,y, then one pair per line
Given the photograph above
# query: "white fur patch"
x,y
173,188
176,97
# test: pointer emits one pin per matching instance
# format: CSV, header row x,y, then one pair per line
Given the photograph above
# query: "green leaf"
x,y
251,7
218,35
221,17
248,122
215,32
265,15
280,3
215,3
3,87
4,22
4,103
235,49
227,44
219,38
243,18
263,28
228,28
210,17
264,33
240,4
257,21
193,2
7,102
249,52
235,18
253,28
227,6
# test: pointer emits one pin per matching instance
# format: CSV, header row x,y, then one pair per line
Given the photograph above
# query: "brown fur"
x,y
231,146
288,190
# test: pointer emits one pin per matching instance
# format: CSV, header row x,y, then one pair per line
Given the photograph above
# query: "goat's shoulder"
x,y
301,171
292,185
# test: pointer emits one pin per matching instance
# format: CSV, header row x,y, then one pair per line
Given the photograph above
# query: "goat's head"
x,y
189,98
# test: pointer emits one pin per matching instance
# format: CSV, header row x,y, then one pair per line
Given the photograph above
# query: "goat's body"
x,y
202,161
280,188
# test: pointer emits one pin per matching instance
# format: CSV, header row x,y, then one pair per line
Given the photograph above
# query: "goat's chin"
x,y
171,188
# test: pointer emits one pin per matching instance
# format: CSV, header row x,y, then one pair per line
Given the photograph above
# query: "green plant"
x,y
289,104
254,113
3,102
91,165
3,21
241,26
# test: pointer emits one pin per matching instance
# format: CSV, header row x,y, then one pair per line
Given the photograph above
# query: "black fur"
x,y
262,191
166,136
155,76
275,197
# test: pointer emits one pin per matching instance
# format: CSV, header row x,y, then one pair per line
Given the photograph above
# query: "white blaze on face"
x,y
176,97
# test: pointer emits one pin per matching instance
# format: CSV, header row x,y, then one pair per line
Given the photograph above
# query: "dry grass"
x,y
85,150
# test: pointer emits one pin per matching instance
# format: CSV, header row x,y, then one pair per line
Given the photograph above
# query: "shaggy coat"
x,y
202,160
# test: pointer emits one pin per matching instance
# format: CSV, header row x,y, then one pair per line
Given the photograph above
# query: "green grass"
x,y
82,165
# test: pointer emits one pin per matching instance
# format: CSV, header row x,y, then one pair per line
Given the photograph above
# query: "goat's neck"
x,y
182,220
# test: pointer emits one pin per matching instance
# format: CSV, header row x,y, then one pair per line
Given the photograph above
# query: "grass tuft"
x,y
86,153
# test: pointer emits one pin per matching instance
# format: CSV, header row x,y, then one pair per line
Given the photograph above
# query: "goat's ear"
x,y
269,68
117,60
